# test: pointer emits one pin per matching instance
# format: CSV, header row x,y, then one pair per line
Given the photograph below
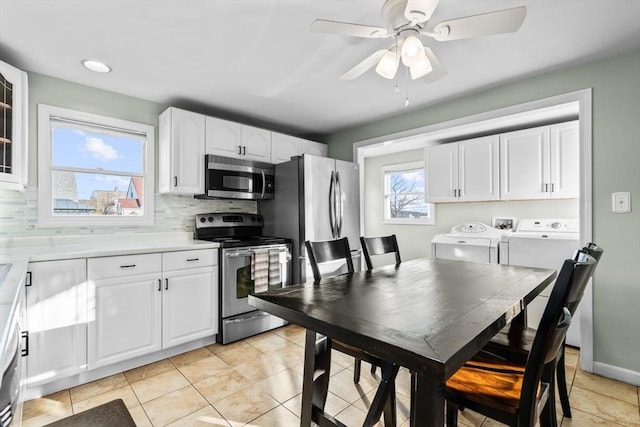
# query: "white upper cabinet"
x,y
283,147
256,144
315,148
564,143
13,127
181,153
540,163
464,171
232,139
223,137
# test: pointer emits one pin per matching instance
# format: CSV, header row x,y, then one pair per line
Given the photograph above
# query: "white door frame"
x,y
521,113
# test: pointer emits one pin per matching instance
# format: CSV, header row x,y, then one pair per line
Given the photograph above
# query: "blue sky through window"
x,y
92,151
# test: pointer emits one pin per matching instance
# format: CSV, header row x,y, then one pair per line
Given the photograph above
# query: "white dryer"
x,y
544,243
473,241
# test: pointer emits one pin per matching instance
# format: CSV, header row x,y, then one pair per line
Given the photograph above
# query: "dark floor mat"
x,y
110,414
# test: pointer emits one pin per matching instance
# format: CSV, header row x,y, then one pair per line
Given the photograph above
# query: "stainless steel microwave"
x,y
228,178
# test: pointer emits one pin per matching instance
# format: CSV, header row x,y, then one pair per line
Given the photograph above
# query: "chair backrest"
x,y
325,251
576,293
379,246
551,332
593,250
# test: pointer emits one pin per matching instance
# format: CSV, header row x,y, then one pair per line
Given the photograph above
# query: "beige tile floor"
x,y
258,382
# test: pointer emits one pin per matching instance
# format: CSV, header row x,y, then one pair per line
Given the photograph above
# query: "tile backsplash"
x,y
19,215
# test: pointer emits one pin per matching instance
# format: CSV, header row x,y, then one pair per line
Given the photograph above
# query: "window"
x,y
93,170
404,203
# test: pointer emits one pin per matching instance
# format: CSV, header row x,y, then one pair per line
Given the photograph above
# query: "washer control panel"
x,y
549,225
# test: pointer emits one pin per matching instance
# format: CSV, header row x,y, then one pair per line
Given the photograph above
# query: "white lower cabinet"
x,y
190,296
137,308
56,320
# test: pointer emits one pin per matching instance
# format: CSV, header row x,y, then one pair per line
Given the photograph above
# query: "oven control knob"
x,y
203,219
253,219
210,219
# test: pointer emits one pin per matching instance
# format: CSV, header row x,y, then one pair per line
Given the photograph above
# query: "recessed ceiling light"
x,y
96,66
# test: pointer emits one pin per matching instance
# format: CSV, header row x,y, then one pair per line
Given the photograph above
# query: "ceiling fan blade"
x,y
364,65
348,29
418,11
438,70
502,21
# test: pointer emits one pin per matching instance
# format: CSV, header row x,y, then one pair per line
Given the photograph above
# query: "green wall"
x,y
62,93
615,84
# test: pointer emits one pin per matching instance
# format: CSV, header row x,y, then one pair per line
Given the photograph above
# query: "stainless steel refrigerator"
x,y
316,198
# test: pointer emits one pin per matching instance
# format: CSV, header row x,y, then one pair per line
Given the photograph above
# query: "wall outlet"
x,y
621,202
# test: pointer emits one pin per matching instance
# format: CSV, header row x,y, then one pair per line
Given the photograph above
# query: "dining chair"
x,y
326,251
379,246
507,391
514,341
320,252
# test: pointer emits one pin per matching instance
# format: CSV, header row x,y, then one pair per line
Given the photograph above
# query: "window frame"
x,y
406,166
46,218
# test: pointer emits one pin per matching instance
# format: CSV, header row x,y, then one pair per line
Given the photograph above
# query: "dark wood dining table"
x,y
430,316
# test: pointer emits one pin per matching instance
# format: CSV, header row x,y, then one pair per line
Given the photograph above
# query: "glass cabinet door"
x,y
6,115
13,143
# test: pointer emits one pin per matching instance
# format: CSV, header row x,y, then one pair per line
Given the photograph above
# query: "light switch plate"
x,y
621,202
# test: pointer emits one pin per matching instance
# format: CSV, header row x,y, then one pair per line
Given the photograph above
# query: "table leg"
x,y
428,409
317,359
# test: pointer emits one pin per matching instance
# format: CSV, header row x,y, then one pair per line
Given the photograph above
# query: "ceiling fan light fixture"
x,y
421,68
388,65
412,51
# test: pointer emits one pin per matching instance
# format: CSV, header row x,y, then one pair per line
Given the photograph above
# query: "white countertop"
x,y
51,248
19,251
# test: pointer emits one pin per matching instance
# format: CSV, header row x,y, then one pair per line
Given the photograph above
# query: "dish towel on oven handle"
x,y
274,267
260,270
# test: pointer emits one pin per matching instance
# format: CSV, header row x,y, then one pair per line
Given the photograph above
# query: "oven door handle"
x,y
237,254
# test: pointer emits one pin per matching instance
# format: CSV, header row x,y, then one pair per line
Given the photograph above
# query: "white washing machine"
x,y
543,243
473,241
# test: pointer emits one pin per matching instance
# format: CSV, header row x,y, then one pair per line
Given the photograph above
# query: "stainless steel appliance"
x,y
229,178
242,246
317,199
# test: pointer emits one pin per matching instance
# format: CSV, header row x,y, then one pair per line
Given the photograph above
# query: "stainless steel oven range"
x,y
248,262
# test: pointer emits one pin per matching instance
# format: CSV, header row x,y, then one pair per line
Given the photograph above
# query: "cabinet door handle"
x,y
553,187
29,280
159,285
128,266
193,259
240,149
166,284
244,150
455,193
175,181
25,350
546,188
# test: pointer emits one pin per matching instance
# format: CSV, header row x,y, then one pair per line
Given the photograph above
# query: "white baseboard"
x,y
619,374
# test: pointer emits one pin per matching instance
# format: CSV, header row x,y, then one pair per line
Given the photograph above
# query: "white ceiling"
x,y
257,61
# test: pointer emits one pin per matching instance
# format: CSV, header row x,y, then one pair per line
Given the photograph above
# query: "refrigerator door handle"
x,y
340,210
332,211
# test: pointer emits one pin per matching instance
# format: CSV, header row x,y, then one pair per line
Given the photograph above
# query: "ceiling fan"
x,y
405,22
